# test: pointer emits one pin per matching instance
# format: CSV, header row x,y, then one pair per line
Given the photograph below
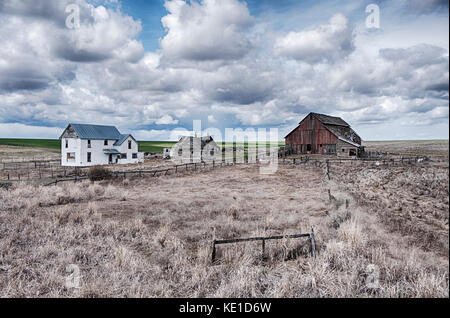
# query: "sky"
x,y
152,68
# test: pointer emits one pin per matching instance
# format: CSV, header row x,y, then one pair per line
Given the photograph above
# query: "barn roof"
x,y
344,133
330,120
336,125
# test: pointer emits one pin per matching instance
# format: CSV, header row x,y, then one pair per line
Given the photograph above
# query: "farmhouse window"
x,y
211,152
89,143
123,156
352,152
71,156
67,143
105,143
343,150
129,144
135,156
88,157
180,152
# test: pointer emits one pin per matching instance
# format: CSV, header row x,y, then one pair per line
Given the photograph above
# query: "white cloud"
x,y
326,42
210,30
210,67
167,120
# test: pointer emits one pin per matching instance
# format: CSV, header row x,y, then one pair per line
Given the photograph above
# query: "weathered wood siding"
x,y
311,132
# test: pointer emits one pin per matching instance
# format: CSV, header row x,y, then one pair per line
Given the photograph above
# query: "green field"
x,y
55,144
144,146
154,146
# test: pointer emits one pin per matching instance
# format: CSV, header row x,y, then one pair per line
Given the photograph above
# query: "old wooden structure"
x,y
323,134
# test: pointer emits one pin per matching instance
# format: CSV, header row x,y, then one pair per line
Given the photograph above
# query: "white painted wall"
x,y
123,148
98,157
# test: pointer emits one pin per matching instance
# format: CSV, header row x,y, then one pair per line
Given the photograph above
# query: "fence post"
x,y
213,256
263,247
328,169
313,243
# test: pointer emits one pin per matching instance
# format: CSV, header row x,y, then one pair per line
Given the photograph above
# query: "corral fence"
x,y
376,161
51,169
291,255
185,167
16,164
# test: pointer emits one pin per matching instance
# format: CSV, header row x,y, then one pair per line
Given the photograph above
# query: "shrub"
x,y
99,173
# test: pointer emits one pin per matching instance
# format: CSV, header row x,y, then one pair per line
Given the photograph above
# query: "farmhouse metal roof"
x,y
85,131
122,139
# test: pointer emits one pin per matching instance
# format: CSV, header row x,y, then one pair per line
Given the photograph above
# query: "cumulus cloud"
x,y
167,120
330,42
210,30
209,67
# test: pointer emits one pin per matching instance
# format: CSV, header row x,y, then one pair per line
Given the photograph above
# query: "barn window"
x,y
343,150
88,157
180,152
211,152
67,143
320,145
352,152
308,147
106,142
89,143
129,144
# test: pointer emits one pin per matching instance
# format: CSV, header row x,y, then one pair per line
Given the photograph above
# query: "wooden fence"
x,y
292,254
61,173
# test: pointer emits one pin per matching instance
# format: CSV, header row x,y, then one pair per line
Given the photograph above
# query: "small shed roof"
x,y
111,151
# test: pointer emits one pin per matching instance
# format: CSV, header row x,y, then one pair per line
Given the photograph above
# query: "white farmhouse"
x,y
90,145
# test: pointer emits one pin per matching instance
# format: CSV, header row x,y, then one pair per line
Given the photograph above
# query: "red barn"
x,y
323,134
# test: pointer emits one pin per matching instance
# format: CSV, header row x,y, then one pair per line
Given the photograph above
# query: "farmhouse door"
x,y
110,159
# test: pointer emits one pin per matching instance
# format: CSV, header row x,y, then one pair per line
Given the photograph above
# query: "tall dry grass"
x,y
152,238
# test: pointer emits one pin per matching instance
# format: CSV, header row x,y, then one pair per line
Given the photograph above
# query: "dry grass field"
x,y
433,148
151,237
